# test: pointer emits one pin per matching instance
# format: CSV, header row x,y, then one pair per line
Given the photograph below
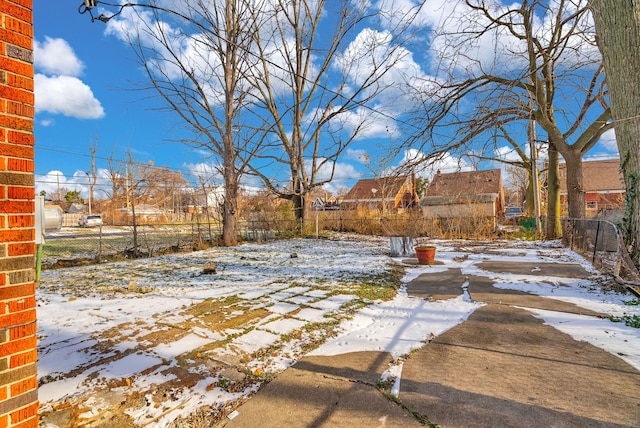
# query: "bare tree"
x,y
544,69
618,29
195,56
116,193
139,189
165,187
204,181
134,186
315,85
519,179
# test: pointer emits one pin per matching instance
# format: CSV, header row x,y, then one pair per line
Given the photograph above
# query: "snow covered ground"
x,y
165,339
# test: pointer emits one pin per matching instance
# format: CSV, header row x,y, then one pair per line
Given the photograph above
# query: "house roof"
x,y
376,188
599,176
76,208
465,183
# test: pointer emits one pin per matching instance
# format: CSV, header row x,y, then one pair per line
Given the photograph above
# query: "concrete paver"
x,y
501,367
565,270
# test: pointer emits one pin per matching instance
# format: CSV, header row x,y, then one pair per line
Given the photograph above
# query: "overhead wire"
x,y
185,172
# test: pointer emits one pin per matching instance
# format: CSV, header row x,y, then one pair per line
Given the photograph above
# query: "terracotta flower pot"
x,y
426,255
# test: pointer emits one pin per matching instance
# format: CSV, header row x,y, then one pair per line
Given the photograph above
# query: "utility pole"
x,y
89,192
534,169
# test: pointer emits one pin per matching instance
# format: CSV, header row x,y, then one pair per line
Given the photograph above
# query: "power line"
x,y
184,171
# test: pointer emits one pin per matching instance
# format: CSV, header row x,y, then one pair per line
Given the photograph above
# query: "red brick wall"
x,y
18,375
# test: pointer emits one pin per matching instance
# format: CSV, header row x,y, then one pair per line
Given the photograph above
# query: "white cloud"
x,y
466,41
365,123
358,155
57,87
172,49
395,14
66,95
508,153
209,172
374,57
50,182
427,167
55,56
608,141
55,180
344,176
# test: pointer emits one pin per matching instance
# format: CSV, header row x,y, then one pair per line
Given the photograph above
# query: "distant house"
x,y
603,186
464,194
385,193
144,213
325,203
77,208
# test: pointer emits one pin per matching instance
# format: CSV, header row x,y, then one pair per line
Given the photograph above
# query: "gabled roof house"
x,y
396,192
464,194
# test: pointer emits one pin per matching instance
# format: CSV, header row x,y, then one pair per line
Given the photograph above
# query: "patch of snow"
x,y
283,326
312,315
282,308
615,338
397,326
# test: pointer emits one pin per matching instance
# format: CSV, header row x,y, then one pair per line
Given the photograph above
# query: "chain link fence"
x,y
77,246
600,242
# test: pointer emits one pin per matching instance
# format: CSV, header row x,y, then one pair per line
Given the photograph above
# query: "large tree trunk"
x,y
230,174
553,227
529,206
575,184
297,196
618,28
230,213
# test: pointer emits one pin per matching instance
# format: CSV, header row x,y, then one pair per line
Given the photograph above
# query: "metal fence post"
x,y
595,246
573,228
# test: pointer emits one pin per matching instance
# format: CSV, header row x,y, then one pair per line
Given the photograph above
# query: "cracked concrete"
x,y
326,391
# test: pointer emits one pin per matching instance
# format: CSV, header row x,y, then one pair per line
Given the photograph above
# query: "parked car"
x,y
513,213
89,220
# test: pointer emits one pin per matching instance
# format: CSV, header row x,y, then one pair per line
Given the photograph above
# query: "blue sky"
x,y
85,77
83,94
